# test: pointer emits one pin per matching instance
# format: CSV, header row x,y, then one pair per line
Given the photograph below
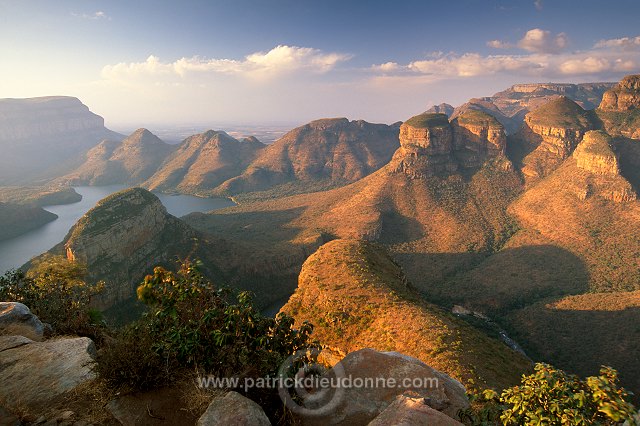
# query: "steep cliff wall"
x,y
123,237
46,137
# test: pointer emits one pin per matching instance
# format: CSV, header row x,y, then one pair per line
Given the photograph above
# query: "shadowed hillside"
x,y
358,297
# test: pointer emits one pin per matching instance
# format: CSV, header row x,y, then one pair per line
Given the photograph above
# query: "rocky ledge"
x,y
430,145
623,97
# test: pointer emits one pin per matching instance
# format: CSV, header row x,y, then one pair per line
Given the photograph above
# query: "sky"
x,y
146,63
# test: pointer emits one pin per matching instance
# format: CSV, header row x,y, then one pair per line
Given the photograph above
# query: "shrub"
x,y
552,397
192,323
55,291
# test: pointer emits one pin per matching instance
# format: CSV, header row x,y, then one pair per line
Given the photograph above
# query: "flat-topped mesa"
x,y
426,147
623,97
595,156
477,137
561,124
45,116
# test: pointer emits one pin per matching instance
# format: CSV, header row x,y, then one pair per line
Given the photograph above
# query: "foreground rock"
x,y
233,409
34,373
411,411
401,374
17,319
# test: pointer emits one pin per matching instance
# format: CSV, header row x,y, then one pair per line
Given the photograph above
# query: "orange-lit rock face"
x,y
625,96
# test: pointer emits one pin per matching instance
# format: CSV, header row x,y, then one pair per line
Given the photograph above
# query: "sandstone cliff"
x,y
620,108
595,155
203,162
431,146
44,137
329,151
510,106
131,161
122,238
624,96
549,135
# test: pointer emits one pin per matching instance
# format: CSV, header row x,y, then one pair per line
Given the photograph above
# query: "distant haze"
x,y
151,63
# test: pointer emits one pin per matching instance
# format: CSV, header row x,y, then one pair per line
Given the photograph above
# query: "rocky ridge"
x,y
202,162
131,161
335,151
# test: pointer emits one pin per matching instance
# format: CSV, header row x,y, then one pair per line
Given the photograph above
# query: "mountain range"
x,y
521,207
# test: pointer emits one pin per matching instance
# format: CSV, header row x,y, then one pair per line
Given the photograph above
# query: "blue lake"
x,y
16,251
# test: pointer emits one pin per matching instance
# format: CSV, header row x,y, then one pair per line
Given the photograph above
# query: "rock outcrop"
x,y
595,155
510,106
17,319
624,96
549,135
322,152
204,161
361,405
44,137
409,410
431,146
122,238
233,409
619,110
33,374
131,161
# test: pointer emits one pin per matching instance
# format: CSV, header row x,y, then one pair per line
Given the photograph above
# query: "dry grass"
x,y
358,297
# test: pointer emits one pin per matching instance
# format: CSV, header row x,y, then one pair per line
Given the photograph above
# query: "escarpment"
x,y
122,238
619,110
431,146
549,136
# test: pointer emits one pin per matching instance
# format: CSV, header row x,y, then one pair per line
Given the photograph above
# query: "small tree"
x,y
55,291
550,396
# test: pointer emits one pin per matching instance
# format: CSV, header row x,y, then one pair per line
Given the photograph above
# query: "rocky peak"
x,y
601,176
595,154
477,137
443,108
125,232
142,137
432,146
623,97
327,123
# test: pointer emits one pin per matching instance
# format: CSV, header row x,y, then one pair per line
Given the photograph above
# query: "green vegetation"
x,y
56,292
192,324
562,113
552,397
39,195
472,116
620,122
425,120
597,142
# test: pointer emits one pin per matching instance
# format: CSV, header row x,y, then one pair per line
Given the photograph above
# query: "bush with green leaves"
x,y
194,324
550,397
55,290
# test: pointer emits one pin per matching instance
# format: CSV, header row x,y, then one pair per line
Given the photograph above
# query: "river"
x,y
16,251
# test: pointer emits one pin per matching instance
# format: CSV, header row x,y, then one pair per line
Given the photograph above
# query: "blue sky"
x,y
139,63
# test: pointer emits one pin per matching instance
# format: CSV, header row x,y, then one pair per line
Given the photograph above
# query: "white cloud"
x,y
538,4
624,43
93,16
386,67
277,61
541,41
498,44
589,65
470,65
